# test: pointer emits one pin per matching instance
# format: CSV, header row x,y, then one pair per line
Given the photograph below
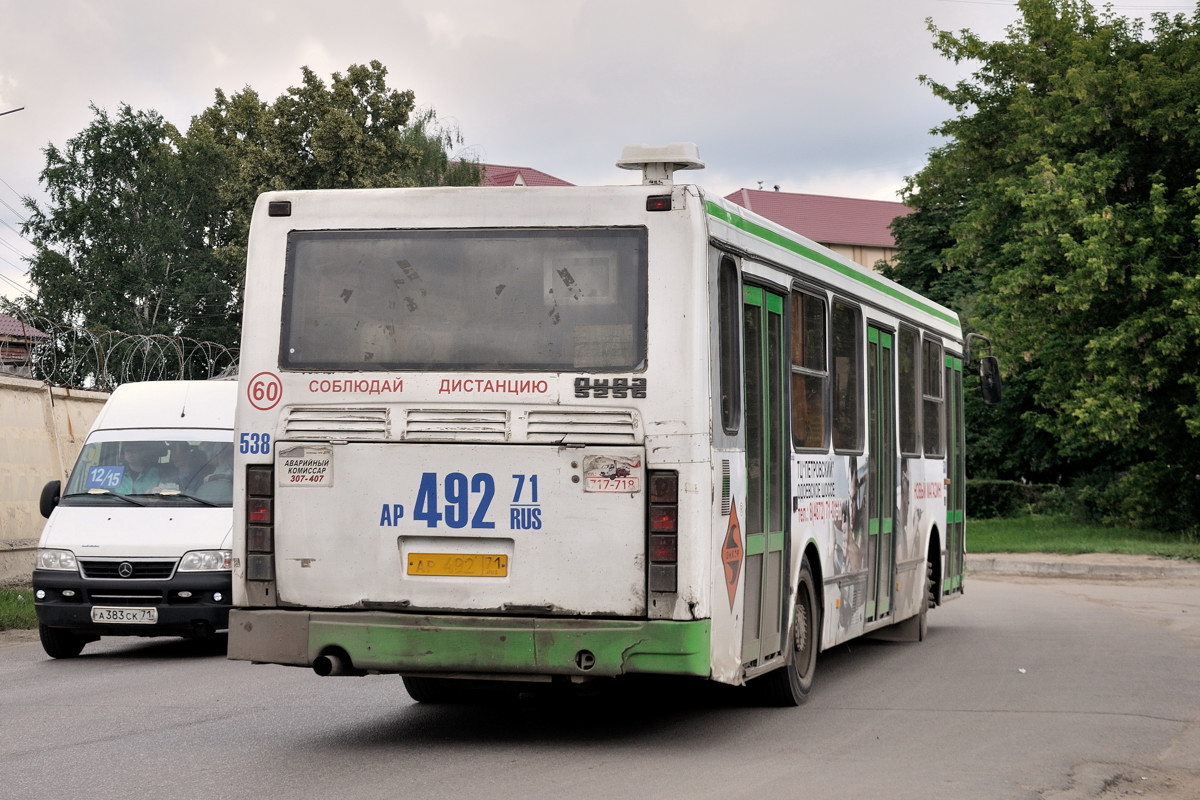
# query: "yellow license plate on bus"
x,y
463,565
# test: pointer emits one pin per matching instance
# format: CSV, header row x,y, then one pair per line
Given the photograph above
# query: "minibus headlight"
x,y
56,559
206,561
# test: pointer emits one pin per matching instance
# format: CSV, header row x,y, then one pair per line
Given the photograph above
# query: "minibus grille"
x,y
133,570
583,427
336,423
128,598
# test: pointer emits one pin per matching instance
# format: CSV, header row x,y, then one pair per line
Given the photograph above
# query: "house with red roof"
x,y
498,175
857,229
16,340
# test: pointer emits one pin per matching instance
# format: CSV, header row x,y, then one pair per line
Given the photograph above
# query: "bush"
x,y
992,499
1150,495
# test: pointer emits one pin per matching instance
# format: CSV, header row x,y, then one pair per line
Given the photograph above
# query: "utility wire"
x,y
14,284
10,247
15,212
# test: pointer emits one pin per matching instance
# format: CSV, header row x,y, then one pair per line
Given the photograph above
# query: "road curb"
x,y
1094,566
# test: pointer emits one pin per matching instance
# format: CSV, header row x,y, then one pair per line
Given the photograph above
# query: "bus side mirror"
x,y
989,379
49,499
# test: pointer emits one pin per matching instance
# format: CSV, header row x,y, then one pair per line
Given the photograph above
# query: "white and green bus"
x,y
571,433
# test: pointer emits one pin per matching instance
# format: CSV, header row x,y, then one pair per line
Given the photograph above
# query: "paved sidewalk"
x,y
1097,566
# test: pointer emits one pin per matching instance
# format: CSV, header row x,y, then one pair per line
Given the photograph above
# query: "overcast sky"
x,y
818,96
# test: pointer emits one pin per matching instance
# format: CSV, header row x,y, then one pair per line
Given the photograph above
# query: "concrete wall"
x,y
41,432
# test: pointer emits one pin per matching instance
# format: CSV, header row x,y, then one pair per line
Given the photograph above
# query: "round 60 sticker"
x,y
264,391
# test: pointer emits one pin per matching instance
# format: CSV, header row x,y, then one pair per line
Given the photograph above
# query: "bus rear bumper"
x,y
420,644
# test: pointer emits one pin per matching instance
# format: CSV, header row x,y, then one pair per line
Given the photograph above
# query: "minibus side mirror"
x,y
49,499
989,379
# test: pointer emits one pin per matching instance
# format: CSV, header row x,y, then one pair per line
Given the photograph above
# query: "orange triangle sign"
x,y
731,554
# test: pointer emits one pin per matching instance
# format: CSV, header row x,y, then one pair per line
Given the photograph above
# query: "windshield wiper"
x,y
187,496
106,493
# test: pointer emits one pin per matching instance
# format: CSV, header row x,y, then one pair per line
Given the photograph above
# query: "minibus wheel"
x,y
61,643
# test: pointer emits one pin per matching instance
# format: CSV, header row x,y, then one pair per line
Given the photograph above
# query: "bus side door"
x,y
767,455
956,475
881,472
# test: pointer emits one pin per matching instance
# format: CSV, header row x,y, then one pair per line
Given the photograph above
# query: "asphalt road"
x,y
1052,688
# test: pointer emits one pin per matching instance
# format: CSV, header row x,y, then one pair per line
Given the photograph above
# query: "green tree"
x,y
145,229
354,133
1064,206
122,243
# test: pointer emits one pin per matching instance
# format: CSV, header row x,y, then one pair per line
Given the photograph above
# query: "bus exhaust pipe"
x,y
334,665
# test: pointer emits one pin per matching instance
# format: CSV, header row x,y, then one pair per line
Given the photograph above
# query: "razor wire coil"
x,y
82,358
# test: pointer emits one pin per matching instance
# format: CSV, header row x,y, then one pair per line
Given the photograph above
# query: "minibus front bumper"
x,y
188,604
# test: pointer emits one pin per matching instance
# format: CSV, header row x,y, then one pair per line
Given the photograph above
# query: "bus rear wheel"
x,y
791,684
431,690
450,691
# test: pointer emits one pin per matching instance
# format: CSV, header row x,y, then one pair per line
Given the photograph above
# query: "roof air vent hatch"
x,y
658,163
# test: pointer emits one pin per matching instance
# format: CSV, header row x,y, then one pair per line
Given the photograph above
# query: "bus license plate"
x,y
461,565
134,616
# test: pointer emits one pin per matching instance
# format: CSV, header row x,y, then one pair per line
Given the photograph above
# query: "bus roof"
x,y
749,232
739,228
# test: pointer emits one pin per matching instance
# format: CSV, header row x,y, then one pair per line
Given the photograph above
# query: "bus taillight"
x,y
664,530
260,522
258,510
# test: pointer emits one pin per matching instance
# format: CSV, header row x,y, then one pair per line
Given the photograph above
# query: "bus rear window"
x,y
541,300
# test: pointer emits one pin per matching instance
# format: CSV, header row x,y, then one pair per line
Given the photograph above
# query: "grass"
x,y
1060,534
16,608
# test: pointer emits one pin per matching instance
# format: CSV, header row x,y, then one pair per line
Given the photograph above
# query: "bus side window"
x,y
932,396
810,375
847,382
729,304
910,387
